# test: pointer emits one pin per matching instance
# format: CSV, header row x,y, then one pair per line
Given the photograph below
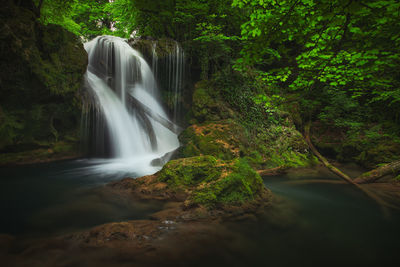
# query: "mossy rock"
x,y
383,152
163,46
211,182
239,184
39,91
278,146
369,146
190,171
291,159
207,105
44,153
220,139
281,146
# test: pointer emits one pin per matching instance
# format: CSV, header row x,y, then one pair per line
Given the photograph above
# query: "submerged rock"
x,y
165,158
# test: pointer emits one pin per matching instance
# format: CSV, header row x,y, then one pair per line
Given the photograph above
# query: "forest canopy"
x,y
339,59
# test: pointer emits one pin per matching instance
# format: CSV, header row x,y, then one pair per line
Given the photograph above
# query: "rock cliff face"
x,y
42,69
228,132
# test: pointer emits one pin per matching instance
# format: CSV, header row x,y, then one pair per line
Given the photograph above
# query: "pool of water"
x,y
309,224
320,224
59,197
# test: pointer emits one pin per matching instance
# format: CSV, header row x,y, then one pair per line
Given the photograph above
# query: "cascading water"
x,y
123,117
172,72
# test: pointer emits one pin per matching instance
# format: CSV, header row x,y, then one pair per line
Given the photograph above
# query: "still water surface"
x,y
310,224
64,196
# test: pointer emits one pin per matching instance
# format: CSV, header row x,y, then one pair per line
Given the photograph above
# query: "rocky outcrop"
x,y
199,194
201,182
217,129
42,72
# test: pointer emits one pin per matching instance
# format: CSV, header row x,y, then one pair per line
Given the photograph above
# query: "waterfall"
x,y
123,117
172,72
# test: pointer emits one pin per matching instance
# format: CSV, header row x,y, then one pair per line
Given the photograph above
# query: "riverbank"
x,y
42,154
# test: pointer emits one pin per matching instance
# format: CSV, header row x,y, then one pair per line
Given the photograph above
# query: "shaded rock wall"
x,y
42,69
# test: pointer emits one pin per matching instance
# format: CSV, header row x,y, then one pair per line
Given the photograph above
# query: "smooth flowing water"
x,y
122,116
170,72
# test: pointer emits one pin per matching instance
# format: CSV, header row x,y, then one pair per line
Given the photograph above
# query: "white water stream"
x,y
116,75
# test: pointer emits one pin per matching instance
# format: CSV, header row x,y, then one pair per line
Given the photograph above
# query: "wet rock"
x,y
200,184
164,159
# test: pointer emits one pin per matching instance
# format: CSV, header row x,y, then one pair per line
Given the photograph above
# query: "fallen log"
x,y
146,124
344,176
158,118
323,159
376,174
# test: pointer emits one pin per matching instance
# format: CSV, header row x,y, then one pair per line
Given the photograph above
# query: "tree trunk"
x,y
342,175
376,174
143,108
323,159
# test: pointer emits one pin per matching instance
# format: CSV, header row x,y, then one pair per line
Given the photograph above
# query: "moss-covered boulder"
x,y
213,183
39,103
201,182
190,171
222,139
238,184
279,146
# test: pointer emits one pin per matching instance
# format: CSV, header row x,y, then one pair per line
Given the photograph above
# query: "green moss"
x,y
207,105
64,147
255,159
210,182
190,171
201,103
26,156
277,146
369,145
38,96
383,152
240,185
220,139
291,159
43,152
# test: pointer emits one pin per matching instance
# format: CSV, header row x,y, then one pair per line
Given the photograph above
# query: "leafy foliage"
x,y
343,54
334,62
